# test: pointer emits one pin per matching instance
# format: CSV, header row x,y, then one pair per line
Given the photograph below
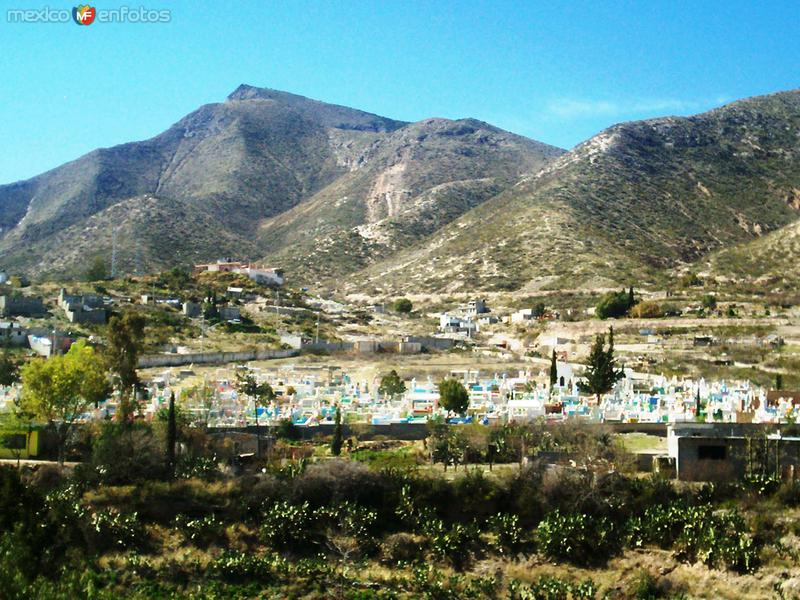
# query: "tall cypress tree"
x,y
124,344
553,370
697,405
601,372
338,438
172,435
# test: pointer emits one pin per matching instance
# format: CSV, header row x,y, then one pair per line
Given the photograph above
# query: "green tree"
x,y
124,344
613,305
9,370
403,305
392,385
261,393
539,310
778,381
172,435
453,396
601,372
338,436
710,302
58,390
98,270
553,369
690,280
631,298
15,426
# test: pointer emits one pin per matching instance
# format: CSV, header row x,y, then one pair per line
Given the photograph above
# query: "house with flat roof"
x,y
720,452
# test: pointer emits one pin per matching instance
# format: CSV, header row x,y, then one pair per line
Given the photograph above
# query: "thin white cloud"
x,y
579,108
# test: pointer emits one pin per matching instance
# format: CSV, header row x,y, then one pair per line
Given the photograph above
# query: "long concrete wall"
x,y
418,431
207,358
394,431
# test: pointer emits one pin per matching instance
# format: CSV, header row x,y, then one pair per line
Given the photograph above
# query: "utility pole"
x,y
139,269
113,252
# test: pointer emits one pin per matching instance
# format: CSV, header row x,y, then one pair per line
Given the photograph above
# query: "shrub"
x,y
475,496
789,493
338,480
401,547
717,540
350,519
613,305
660,526
287,526
696,533
551,588
202,531
287,430
46,478
644,587
577,538
240,567
403,305
647,310
763,485
17,501
690,280
197,467
111,529
509,536
124,453
709,302
454,543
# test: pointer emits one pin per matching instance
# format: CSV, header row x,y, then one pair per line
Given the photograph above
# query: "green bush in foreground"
x,y
577,538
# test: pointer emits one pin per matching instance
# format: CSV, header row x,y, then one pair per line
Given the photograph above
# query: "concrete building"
x,y
230,313
86,316
429,342
727,452
476,307
525,314
85,309
263,275
12,333
295,340
192,309
452,324
17,305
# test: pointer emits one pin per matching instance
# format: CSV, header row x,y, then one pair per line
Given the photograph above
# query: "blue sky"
x,y
555,71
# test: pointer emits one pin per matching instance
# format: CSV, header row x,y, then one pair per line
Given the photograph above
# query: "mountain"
x,y
773,259
352,201
254,177
402,188
622,207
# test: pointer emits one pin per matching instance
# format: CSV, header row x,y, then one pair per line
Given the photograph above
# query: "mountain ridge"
x,y
239,163
347,199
